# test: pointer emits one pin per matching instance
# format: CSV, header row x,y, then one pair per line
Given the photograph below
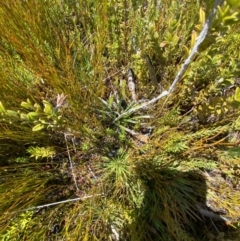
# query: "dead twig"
x,y
202,36
132,84
60,202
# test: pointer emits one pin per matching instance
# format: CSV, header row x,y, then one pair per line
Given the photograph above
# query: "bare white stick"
x,y
132,84
60,202
194,51
184,67
202,36
90,169
116,234
74,146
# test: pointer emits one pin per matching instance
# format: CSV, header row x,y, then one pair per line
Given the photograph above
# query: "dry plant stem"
x,y
70,161
204,146
132,84
229,144
60,202
131,132
90,170
116,234
138,136
74,146
184,67
194,51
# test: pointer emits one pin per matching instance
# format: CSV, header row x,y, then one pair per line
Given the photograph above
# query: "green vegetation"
x,y
90,149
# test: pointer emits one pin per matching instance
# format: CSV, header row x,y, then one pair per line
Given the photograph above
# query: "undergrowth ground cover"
x,y
89,150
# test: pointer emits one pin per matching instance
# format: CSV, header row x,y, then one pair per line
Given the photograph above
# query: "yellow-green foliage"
x,y
41,152
17,227
101,172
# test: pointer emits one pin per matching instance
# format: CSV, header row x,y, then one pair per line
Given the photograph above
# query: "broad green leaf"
x,y
48,109
202,17
24,116
26,105
37,107
32,115
43,121
237,94
38,127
